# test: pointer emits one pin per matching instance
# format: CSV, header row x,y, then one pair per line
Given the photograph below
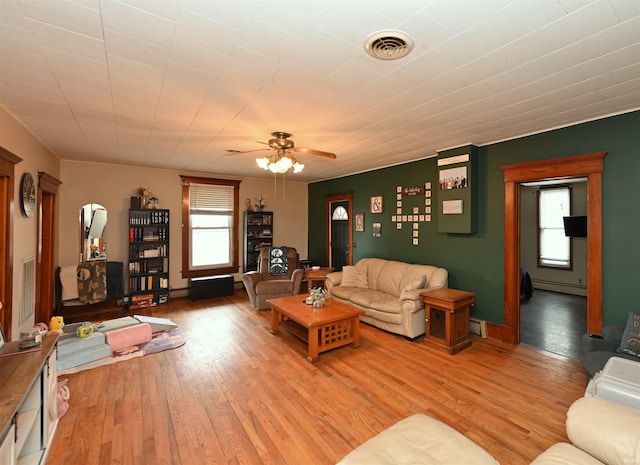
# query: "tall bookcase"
x,y
258,233
148,257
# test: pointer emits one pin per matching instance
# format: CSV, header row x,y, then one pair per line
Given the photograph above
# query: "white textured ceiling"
x,y
173,83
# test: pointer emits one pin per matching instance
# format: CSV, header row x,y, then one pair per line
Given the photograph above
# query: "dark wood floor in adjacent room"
x,y
235,393
554,322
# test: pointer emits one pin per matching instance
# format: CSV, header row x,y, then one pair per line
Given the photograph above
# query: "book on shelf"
x,y
142,300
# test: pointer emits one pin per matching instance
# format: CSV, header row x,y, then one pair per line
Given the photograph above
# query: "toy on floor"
x,y
84,330
56,324
62,397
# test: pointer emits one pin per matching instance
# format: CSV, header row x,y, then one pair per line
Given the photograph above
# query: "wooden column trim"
x,y
8,162
589,165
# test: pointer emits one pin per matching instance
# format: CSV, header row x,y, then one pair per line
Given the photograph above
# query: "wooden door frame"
x,y
47,191
8,162
589,166
332,198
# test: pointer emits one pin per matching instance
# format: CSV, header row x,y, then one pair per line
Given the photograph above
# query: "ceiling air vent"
x,y
388,44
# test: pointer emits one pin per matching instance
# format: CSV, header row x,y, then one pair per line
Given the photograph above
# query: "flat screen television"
x,y
575,226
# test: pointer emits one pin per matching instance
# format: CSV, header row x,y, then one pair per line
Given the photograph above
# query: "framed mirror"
x,y
93,221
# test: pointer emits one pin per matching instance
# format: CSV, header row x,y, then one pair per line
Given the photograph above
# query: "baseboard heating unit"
x,y
209,287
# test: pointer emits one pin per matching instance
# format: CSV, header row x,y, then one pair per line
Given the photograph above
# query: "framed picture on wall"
x,y
376,204
359,222
377,230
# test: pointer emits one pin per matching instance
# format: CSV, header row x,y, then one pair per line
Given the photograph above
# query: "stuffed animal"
x,y
56,324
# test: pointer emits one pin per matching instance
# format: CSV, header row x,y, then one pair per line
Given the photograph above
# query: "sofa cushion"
x,y
419,440
354,276
346,292
630,342
390,277
605,430
564,454
366,297
414,277
382,317
273,287
388,304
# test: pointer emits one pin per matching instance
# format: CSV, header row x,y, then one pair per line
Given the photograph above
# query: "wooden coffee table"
x,y
334,325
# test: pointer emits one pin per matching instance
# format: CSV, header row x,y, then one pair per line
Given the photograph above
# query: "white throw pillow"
x,y
408,291
415,284
354,276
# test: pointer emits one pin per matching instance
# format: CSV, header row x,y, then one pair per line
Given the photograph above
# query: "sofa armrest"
x,y
605,430
413,294
333,279
296,279
250,279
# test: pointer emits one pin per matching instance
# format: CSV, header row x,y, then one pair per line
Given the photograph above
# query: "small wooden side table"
x,y
317,278
447,312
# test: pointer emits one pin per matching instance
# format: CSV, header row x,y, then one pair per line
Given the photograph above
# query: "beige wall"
x,y
113,185
35,158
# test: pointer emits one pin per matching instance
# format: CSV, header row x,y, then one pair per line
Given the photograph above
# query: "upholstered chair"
x,y
262,286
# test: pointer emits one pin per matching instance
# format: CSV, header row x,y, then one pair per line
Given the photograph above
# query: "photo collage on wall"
x,y
420,208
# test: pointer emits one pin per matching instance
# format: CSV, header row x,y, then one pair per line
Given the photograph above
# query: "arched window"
x,y
340,213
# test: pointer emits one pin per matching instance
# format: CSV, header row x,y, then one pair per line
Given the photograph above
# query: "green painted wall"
x,y
475,261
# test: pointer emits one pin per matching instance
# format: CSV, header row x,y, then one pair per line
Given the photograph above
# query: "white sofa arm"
x,y
605,430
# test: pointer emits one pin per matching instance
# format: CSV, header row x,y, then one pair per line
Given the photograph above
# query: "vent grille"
x,y
478,327
388,45
28,302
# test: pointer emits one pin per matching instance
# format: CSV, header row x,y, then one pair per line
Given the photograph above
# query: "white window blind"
x,y
210,198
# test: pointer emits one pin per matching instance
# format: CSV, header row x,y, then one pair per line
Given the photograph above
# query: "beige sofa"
x,y
388,291
601,433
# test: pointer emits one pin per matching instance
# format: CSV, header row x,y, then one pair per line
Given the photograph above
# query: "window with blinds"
x,y
211,225
212,219
554,248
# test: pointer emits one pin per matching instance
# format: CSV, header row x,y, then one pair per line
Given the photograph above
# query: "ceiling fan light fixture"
x,y
279,164
388,44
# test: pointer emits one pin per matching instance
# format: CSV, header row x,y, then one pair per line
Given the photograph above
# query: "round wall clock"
x,y
27,195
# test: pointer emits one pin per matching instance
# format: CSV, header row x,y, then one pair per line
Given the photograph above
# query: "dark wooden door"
x,y
339,235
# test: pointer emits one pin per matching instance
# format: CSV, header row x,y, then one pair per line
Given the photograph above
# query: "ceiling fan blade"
x,y
235,152
315,152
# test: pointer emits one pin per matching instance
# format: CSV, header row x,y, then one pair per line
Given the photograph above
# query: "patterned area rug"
x,y
160,341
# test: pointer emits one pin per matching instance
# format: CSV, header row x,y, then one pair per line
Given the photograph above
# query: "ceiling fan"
x,y
282,159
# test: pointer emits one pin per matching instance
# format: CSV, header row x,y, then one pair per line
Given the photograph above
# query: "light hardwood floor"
x,y
234,393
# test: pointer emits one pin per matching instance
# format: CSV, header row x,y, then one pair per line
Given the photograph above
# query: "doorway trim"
x,y
342,197
45,256
587,165
8,162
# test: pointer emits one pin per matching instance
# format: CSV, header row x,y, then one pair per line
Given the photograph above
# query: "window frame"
x,y
187,272
568,267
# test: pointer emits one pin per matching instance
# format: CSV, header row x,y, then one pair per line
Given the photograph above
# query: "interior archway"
x,y
589,166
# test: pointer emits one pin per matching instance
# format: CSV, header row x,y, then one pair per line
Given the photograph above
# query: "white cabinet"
x,y
29,417
7,446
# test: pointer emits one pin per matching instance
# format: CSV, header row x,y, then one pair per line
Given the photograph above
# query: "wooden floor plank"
x,y
235,393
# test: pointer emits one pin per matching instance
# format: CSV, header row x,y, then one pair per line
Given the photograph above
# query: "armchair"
x,y
261,286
